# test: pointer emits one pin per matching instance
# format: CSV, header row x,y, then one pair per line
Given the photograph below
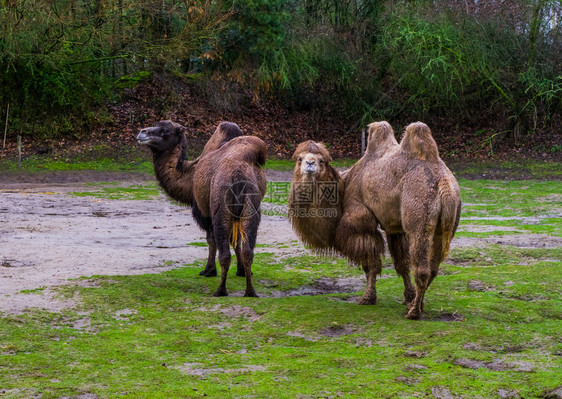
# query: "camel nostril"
x,y
310,163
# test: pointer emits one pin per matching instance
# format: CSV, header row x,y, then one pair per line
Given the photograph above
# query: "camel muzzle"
x,y
143,138
310,169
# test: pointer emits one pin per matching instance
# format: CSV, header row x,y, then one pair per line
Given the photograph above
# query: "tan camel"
x,y
225,200
409,192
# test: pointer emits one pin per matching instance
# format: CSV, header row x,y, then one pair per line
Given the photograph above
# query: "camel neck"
x,y
175,178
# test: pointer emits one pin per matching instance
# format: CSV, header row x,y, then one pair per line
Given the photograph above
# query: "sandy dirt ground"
x,y
48,236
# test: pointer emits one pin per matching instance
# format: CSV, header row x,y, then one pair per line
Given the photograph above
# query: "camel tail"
x,y
237,231
450,213
242,200
418,142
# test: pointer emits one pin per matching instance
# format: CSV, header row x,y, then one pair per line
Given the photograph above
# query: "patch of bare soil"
x,y
235,311
495,365
516,240
336,331
48,237
441,392
556,393
196,369
325,286
477,285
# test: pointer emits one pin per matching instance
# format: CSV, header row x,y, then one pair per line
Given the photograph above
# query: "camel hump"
x,y
225,132
312,147
380,138
418,142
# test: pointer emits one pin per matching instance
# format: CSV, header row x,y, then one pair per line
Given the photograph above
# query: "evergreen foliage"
x,y
62,60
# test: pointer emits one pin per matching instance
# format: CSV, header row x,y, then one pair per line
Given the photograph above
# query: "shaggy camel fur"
x,y
224,187
408,191
315,205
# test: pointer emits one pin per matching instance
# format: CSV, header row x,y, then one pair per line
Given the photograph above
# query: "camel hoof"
x,y
251,294
408,302
208,272
409,298
367,301
220,292
413,315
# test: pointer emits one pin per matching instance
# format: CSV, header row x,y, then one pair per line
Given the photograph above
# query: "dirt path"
x,y
48,236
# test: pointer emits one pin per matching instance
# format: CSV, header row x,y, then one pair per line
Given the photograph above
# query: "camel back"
x,y
249,149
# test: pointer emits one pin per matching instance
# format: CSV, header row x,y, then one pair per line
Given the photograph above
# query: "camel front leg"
x,y
211,267
371,270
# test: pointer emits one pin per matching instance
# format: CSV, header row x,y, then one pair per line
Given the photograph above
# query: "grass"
x,y
144,191
42,164
165,336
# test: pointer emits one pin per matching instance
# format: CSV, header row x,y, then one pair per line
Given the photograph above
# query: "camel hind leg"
x,y
240,272
246,253
358,238
398,248
421,249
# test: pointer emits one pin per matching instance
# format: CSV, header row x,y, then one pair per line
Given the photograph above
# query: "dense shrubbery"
x,y
364,59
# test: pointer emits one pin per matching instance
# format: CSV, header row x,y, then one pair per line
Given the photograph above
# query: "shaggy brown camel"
x,y
315,204
224,187
408,191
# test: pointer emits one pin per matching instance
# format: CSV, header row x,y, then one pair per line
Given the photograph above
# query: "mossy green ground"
x,y
492,323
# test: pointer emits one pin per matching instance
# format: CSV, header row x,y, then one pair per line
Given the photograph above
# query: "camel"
x,y
224,187
316,191
407,191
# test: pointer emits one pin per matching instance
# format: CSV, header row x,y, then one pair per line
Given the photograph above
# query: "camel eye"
x,y
321,161
300,160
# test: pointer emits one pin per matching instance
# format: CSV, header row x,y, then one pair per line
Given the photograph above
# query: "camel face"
x,y
312,160
163,136
310,165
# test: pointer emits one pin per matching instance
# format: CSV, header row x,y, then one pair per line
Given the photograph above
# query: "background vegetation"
x,y
490,64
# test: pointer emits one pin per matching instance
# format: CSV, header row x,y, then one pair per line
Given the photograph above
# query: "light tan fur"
x,y
314,209
409,192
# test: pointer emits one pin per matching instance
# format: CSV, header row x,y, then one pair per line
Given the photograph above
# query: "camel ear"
x,y
180,129
296,155
183,143
321,148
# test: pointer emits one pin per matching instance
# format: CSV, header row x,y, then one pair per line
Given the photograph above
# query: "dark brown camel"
x,y
224,187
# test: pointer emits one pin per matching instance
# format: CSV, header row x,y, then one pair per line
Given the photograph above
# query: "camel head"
x,y
312,160
162,137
